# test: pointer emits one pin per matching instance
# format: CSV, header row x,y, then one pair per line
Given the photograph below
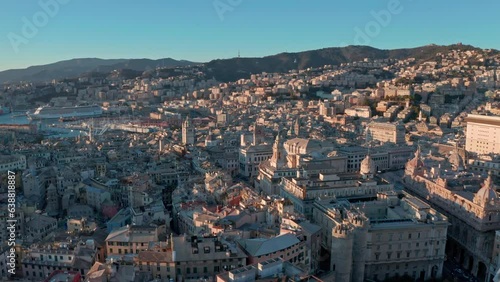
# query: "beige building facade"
x,y
483,134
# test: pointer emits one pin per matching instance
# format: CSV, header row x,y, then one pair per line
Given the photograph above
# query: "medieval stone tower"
x,y
188,132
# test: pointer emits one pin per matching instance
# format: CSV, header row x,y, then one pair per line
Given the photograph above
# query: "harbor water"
x,y
49,128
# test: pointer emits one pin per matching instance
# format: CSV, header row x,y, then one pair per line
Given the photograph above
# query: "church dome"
x,y
487,193
368,166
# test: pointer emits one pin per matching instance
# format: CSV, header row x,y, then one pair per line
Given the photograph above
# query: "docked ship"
x,y
48,112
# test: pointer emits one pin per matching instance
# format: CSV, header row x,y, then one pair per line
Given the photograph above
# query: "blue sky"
x,y
202,30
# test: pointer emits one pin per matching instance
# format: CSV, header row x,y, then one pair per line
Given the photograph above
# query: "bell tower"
x,y
188,132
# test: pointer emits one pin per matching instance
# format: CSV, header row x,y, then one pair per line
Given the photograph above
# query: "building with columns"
x,y
471,203
303,189
271,171
293,155
393,235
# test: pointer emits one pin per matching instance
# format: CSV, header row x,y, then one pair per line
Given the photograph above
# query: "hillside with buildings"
x,y
343,164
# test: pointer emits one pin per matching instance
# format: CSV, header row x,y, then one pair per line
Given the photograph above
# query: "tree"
x,y
417,98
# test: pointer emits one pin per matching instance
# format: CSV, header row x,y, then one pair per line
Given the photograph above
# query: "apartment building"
x,y
41,261
288,247
130,239
251,156
12,162
387,132
204,257
483,134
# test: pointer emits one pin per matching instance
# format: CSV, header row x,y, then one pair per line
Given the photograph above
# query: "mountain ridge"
x,y
75,67
236,68
233,68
